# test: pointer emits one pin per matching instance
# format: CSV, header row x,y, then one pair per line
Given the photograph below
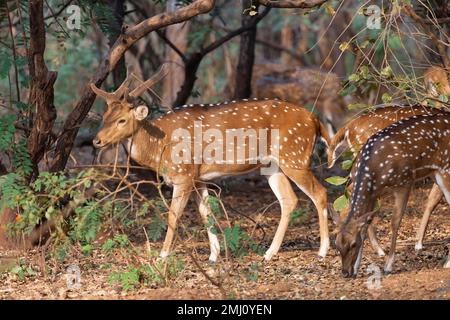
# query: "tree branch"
x,y
124,42
301,4
162,35
437,42
193,61
213,46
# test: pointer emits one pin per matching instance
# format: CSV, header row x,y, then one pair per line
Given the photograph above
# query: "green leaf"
x,y
156,228
387,72
336,180
386,97
341,203
347,164
354,77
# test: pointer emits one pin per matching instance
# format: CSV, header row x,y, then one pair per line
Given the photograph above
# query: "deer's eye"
x,y
121,122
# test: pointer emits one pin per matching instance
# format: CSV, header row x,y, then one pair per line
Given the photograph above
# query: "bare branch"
x,y
162,35
123,43
437,42
301,4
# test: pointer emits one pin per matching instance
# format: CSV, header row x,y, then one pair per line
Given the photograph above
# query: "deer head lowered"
x,y
356,132
394,158
436,83
159,144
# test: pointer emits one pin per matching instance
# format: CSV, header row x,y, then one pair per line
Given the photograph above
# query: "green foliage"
x,y
239,242
214,205
119,241
87,222
22,270
156,228
21,158
152,274
7,131
253,271
336,180
42,199
341,202
297,216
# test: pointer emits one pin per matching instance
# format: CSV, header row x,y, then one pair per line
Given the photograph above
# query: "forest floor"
x,y
295,273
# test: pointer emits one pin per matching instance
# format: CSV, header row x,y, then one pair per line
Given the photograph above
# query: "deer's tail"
x,y
323,133
337,139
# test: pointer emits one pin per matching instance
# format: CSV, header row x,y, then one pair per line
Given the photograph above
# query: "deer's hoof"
x,y
381,253
211,262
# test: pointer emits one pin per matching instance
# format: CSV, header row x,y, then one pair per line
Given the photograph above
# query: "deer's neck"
x,y
146,145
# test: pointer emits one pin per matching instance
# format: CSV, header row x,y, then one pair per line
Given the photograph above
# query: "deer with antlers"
x,y
355,133
156,144
394,158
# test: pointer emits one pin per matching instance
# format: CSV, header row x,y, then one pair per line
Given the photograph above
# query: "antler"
x,y
121,92
158,76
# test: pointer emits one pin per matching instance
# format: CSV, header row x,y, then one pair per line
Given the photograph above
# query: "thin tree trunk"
x,y
41,86
177,34
118,6
243,88
287,38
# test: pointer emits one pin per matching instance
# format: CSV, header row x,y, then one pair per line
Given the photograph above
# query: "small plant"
x,y
119,241
239,242
154,274
297,216
22,271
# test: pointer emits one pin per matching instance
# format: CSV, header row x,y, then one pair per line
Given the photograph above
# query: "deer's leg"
x,y
443,181
282,188
372,234
180,197
401,199
205,213
308,183
433,200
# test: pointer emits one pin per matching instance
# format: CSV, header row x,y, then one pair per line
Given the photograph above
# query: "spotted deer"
x,y
393,159
155,144
436,83
302,86
356,132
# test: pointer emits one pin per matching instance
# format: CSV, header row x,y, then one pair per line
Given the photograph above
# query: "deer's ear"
x,y
140,112
335,216
365,219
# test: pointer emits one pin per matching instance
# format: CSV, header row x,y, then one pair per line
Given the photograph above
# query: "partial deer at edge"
x,y
436,83
149,143
355,133
393,159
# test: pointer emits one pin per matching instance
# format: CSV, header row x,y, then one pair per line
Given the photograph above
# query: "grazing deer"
x,y
305,87
152,143
355,133
394,158
436,83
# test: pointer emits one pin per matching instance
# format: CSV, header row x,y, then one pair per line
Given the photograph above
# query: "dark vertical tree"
x,y
243,88
41,86
118,9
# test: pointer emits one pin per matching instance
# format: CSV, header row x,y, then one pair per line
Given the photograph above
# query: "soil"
x,y
295,273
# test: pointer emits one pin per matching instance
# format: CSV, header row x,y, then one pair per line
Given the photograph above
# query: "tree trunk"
x,y
118,7
243,88
123,43
190,76
41,86
287,38
177,34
